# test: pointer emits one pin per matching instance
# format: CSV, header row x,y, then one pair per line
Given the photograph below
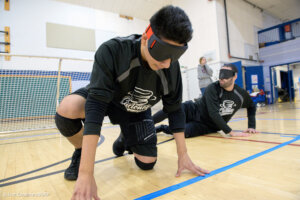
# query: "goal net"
x,y
32,87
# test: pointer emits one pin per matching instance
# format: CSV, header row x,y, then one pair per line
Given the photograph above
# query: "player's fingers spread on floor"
x,y
96,197
203,170
76,196
179,172
245,134
199,173
195,169
252,131
87,197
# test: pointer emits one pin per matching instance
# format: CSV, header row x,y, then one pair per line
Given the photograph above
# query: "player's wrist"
x,y
85,174
180,143
181,150
182,155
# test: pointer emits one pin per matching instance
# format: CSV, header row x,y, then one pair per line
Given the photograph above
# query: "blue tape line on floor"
x,y
290,136
215,172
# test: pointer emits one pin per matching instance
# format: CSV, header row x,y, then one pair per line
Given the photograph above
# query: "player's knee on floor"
x,y
144,166
67,127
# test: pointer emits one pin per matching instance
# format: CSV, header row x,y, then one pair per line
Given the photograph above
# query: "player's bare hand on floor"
x,y
184,162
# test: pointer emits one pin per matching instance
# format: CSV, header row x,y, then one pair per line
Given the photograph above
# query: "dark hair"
x,y
232,66
172,23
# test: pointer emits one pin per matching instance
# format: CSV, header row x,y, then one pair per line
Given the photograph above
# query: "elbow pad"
x,y
94,114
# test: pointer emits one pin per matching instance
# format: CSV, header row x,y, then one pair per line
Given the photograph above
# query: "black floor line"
x,y
45,167
51,138
59,171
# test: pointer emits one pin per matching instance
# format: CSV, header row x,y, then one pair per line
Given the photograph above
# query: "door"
x,y
254,78
287,82
291,85
275,86
239,80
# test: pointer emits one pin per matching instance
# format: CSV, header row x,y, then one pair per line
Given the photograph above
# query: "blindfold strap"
x,y
149,33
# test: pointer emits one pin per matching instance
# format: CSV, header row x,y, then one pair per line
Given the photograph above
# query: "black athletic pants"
x,y
194,125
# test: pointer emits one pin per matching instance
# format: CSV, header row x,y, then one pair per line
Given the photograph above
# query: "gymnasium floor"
x,y
262,166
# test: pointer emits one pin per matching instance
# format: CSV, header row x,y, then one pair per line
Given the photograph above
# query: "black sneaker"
x,y
163,128
119,146
71,172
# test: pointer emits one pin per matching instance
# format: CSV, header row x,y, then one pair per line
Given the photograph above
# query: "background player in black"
x,y
130,75
211,113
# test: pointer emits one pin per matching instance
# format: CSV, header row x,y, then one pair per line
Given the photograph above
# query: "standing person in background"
x,y
204,74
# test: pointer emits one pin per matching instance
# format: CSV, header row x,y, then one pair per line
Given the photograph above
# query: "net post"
x,y
58,83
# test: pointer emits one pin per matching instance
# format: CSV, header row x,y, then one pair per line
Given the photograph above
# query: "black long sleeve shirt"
x,y
220,105
121,77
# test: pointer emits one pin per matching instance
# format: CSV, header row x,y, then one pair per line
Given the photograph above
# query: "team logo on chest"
x,y
227,107
138,100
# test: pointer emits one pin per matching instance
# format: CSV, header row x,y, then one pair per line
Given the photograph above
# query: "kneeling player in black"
x,y
130,75
219,103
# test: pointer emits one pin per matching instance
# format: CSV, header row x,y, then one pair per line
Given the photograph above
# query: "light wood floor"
x,y
32,164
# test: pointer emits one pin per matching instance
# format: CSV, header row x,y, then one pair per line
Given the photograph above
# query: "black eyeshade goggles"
x,y
226,74
161,50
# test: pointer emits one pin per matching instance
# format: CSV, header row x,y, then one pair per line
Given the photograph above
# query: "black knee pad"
x,y
144,166
141,132
67,127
